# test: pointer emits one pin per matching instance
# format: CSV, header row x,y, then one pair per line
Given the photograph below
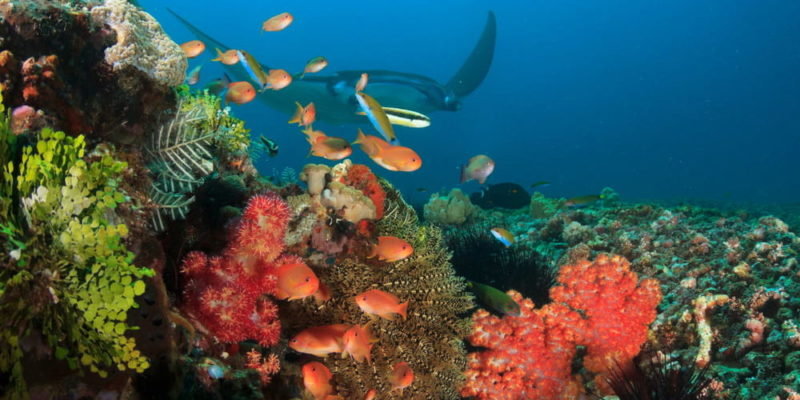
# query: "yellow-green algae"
x,y
66,279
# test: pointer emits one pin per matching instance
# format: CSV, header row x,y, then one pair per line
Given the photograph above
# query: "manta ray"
x,y
334,94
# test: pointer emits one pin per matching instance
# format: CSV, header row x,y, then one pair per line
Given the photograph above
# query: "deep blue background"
x,y
670,100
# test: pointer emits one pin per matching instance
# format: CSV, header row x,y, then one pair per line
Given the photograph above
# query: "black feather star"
x,y
651,377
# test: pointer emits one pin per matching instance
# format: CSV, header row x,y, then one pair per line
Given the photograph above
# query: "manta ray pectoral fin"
x,y
475,68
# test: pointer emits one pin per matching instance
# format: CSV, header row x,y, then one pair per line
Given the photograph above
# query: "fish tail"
x,y
360,138
403,310
298,114
219,54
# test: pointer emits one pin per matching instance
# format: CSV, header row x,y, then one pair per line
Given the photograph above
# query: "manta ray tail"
x,y
475,68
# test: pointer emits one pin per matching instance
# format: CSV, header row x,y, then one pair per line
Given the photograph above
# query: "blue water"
x,y
661,100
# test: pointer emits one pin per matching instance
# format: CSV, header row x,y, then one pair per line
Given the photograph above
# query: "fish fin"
x,y
226,79
482,180
389,316
476,66
463,177
403,310
360,138
360,113
219,54
298,114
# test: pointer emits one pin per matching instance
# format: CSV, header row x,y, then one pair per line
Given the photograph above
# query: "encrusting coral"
x,y
67,281
601,305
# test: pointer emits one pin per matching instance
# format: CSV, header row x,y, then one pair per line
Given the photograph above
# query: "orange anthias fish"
x,y
390,248
317,380
230,57
193,48
382,304
304,116
478,168
393,158
320,340
278,22
358,342
399,158
295,281
362,82
328,147
402,376
278,79
314,65
240,92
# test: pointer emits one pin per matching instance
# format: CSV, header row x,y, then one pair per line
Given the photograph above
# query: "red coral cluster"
x,y
601,305
266,366
361,177
225,294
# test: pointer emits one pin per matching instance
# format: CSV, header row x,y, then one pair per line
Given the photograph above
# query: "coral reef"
x,y
453,209
429,340
600,305
697,254
54,60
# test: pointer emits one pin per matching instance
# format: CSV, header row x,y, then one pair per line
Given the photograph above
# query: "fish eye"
x,y
308,279
294,340
364,298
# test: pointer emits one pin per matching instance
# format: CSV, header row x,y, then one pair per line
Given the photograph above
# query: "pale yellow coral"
x,y
453,209
314,177
702,305
350,203
141,43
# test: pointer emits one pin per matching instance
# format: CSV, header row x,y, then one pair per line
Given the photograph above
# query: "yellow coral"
x,y
453,209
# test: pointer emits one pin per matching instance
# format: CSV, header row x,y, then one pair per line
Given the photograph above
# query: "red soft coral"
x,y
226,295
618,307
600,305
361,177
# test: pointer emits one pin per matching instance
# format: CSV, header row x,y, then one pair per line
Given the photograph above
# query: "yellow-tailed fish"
x,y
253,68
583,200
314,65
478,168
193,48
377,116
304,116
407,118
504,236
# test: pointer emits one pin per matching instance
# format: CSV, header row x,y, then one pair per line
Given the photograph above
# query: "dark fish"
x,y
540,183
421,189
495,299
217,86
583,200
506,195
270,147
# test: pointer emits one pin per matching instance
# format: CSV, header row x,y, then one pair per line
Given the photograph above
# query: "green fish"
x,y
583,200
495,299
540,183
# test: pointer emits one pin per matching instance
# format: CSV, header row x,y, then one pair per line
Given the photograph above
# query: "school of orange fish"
x,y
296,281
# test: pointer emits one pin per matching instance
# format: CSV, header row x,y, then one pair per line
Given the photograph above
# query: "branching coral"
x,y
429,340
67,278
601,305
226,294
